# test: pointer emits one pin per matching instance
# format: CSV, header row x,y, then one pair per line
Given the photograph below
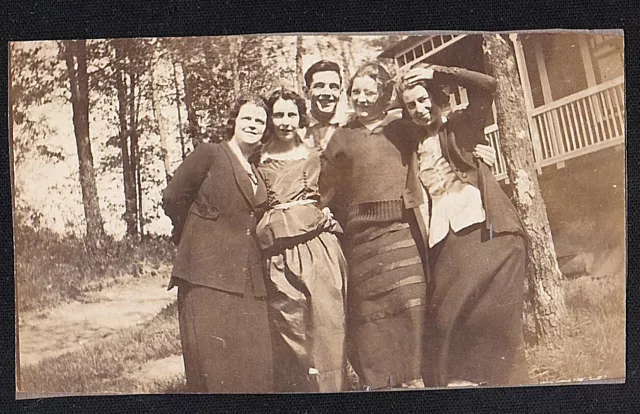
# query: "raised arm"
x,y
183,187
474,82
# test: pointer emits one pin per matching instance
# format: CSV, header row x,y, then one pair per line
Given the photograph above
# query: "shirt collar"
x,y
235,148
391,116
340,118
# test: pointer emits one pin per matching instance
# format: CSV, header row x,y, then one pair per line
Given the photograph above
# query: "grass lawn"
x,y
110,366
594,342
594,347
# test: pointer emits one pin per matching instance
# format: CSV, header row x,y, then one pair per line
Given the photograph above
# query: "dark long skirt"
x,y
474,328
386,307
226,344
306,306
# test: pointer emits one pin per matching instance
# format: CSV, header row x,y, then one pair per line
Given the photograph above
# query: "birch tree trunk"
x,y
543,273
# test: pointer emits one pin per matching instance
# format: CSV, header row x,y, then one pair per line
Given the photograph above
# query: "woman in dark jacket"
x,y
215,200
473,235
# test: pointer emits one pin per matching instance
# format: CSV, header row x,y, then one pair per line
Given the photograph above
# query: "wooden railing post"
x,y
528,99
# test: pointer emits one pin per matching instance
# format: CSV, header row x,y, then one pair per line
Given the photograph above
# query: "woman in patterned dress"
x,y
305,266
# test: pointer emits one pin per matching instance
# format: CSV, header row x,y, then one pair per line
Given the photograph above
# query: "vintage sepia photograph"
x,y
307,213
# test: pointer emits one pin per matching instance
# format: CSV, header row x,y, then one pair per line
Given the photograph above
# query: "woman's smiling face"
x,y
251,123
365,97
286,119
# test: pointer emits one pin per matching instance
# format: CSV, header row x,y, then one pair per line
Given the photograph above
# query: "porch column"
x,y
542,70
587,61
528,97
556,136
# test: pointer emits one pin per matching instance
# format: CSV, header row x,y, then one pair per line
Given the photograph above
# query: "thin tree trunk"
x,y
135,149
212,60
543,273
345,52
193,128
76,51
234,50
129,182
181,135
299,71
157,112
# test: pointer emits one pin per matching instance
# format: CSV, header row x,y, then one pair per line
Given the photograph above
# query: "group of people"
x,y
308,247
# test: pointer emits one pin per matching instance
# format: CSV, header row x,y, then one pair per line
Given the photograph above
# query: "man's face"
x,y
251,123
420,106
324,92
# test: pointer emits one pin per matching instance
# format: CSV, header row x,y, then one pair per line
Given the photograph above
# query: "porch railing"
x,y
499,167
578,124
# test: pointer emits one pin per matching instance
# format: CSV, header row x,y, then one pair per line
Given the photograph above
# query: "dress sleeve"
x,y
185,184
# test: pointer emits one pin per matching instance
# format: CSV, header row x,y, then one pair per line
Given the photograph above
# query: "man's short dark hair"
x,y
321,66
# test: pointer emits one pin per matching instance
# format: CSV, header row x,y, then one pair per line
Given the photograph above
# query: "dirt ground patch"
x,y
95,316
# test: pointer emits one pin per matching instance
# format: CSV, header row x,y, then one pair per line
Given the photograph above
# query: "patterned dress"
x,y
305,278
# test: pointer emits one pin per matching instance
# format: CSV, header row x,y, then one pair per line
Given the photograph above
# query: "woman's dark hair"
x,y
286,95
378,73
321,66
436,94
242,99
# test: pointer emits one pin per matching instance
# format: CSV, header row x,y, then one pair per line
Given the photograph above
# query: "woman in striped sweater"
x,y
387,284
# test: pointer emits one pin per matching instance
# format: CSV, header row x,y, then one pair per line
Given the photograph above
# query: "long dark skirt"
x,y
474,328
386,306
226,344
306,307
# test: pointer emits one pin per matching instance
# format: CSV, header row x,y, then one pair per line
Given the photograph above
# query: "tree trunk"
x,y
157,112
181,135
543,273
127,173
345,52
193,128
299,71
76,51
134,110
234,50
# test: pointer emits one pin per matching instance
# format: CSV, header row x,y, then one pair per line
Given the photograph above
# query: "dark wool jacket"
x,y
214,212
463,130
